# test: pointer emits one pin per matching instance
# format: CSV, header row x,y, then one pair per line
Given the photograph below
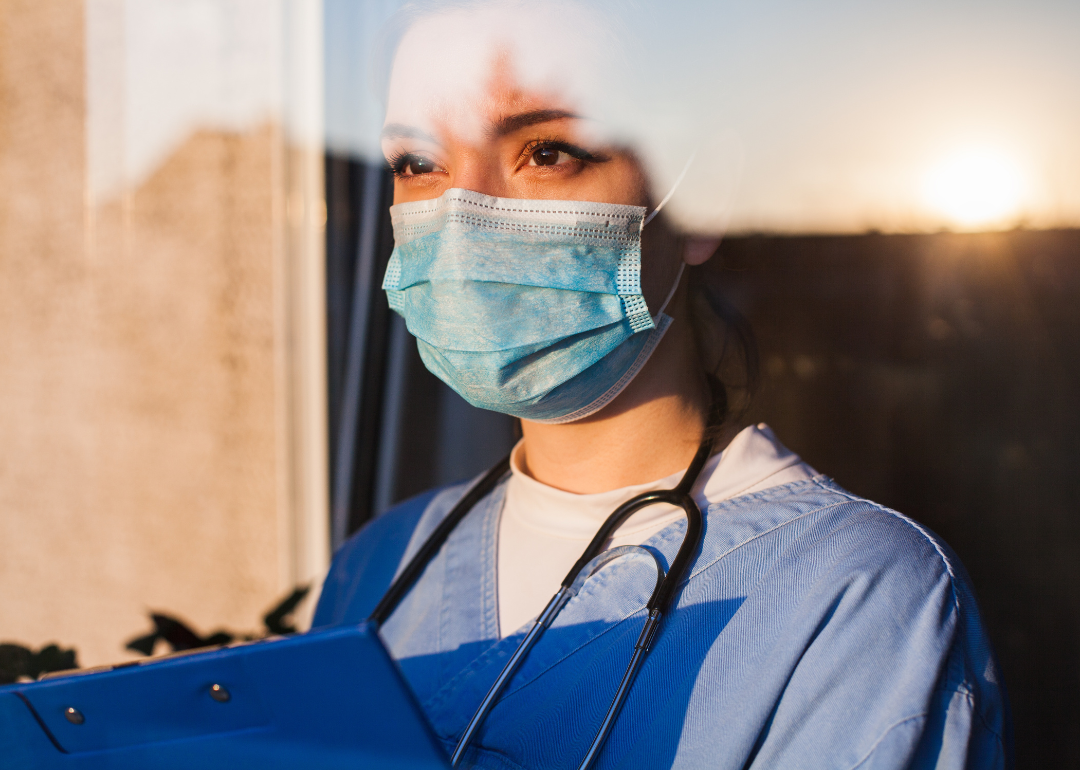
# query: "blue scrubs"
x,y
816,630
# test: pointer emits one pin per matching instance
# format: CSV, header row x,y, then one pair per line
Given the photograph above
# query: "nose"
x,y
478,169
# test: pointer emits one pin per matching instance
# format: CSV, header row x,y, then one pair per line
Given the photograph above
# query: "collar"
x,y
752,460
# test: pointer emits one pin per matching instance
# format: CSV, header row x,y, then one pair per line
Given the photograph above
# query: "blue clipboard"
x,y
325,699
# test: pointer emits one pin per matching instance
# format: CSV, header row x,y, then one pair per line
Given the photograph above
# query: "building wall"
x,y
147,430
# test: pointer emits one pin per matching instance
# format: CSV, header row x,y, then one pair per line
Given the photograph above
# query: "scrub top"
x,y
816,630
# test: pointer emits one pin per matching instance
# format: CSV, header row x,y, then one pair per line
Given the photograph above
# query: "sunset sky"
x,y
911,115
833,116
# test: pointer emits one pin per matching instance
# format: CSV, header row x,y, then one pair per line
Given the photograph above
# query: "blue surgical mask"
x,y
528,307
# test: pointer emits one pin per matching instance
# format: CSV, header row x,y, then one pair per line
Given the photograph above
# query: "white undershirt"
x,y
544,530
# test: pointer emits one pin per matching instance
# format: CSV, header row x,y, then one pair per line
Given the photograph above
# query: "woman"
x,y
810,628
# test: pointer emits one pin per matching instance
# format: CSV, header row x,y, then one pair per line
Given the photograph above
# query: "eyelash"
x,y
578,153
399,161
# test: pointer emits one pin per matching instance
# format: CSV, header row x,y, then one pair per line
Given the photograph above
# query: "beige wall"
x,y
157,388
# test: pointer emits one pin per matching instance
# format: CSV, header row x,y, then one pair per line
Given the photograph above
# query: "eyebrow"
x,y
498,128
512,123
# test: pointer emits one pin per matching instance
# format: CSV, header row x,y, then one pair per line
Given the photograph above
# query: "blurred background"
x,y
203,392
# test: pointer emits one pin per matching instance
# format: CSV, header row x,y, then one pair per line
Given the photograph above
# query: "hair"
x,y
724,338
725,341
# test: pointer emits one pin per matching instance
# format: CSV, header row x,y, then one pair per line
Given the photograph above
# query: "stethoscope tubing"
x,y
662,595
531,638
550,612
418,563
641,648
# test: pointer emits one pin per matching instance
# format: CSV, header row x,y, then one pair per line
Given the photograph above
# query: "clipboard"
x,y
326,699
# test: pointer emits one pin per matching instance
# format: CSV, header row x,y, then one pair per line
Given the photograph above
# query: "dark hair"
x,y
725,341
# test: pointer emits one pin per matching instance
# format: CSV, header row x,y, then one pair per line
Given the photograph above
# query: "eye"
x,y
417,165
555,152
547,156
410,164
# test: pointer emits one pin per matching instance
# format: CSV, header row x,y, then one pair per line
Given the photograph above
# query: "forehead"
x,y
456,72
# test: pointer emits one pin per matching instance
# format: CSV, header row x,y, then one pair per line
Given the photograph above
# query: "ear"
x,y
697,250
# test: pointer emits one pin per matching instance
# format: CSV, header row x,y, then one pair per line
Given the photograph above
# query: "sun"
x,y
976,188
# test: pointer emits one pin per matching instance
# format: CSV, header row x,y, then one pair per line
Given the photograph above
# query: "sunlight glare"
x,y
978,187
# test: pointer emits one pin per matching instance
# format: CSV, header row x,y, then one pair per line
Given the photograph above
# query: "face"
x,y
531,147
479,127
461,115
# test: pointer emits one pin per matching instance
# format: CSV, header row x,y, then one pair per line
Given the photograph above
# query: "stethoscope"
x,y
591,561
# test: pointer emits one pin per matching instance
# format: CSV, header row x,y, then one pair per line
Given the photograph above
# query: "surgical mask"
x,y
528,307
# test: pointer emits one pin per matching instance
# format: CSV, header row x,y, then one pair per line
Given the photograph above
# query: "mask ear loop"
x,y
671,192
649,218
